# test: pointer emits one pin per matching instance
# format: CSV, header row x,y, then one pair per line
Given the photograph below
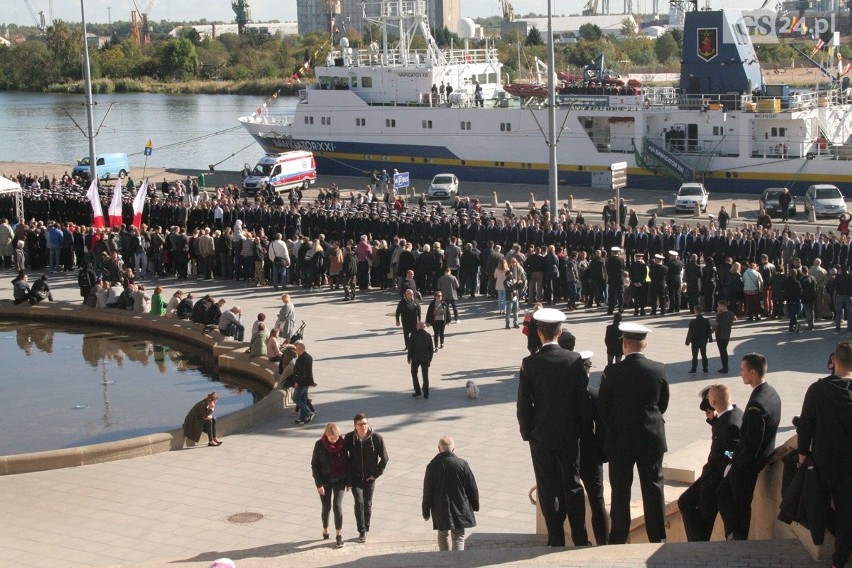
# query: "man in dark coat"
x,y
697,337
757,443
552,408
303,379
634,395
420,355
450,496
592,458
825,433
407,314
368,459
674,281
658,295
698,506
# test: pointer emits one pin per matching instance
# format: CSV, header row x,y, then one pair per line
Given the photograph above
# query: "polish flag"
x,y
95,199
139,204
115,205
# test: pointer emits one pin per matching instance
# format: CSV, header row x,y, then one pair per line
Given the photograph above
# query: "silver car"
x,y
443,186
825,199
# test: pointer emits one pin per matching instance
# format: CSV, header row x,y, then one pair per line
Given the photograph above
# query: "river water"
x,y
187,131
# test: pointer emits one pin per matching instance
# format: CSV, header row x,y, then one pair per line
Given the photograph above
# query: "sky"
x,y
15,11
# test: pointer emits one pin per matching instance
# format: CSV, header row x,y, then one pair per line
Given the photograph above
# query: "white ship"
x,y
375,108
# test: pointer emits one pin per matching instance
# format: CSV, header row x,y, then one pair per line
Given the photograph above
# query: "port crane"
x,y
38,17
241,9
139,30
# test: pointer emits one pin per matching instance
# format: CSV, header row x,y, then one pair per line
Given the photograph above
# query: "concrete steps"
x,y
510,551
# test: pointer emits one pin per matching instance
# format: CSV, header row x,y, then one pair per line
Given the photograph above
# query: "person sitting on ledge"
x,y
40,291
230,325
200,419
21,288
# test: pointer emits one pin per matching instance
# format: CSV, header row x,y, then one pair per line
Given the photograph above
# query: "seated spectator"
x,y
103,294
141,300
258,347
199,310
230,325
115,292
286,366
214,313
22,288
184,308
158,306
273,345
40,291
261,319
172,306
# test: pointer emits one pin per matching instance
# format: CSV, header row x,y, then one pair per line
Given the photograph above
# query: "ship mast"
x,y
553,170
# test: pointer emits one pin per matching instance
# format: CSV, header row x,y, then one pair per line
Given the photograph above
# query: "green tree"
x,y
639,50
628,27
28,66
666,48
677,35
113,63
534,37
590,32
66,47
178,59
191,34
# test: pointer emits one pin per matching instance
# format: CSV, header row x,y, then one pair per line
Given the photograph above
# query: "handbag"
x,y
280,261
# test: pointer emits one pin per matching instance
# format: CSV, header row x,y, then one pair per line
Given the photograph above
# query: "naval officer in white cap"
x,y
553,407
634,394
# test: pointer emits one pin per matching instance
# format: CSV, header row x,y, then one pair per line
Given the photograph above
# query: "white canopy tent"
x,y
9,187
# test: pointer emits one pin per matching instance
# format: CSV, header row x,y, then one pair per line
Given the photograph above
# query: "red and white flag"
x,y
139,204
819,45
95,199
115,205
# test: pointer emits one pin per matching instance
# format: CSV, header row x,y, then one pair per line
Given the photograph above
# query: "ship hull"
x,y
351,158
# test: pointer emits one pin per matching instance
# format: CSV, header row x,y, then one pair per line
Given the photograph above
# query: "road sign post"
x,y
400,180
618,171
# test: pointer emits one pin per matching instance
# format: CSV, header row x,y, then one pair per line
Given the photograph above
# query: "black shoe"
x,y
339,541
300,422
326,536
692,371
425,395
516,326
705,370
415,394
722,371
362,536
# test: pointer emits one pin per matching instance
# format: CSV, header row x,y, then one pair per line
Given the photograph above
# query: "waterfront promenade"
x,y
173,509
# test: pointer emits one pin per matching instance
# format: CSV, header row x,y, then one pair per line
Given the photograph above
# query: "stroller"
x,y
298,335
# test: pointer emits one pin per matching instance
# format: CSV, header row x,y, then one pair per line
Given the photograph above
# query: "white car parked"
x,y
443,186
825,199
689,194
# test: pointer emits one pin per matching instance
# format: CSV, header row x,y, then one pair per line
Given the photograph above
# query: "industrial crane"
x,y
508,11
38,17
241,9
139,18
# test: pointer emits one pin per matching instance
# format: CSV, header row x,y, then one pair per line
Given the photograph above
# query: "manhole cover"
x,y
245,518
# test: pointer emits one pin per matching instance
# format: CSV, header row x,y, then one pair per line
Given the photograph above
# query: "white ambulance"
x,y
283,171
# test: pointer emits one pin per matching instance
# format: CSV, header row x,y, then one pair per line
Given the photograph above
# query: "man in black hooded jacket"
x,y
368,458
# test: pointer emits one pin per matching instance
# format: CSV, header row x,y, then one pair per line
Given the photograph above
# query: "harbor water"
x,y
187,131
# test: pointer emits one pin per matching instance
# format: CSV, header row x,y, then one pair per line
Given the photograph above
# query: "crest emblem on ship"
x,y
708,43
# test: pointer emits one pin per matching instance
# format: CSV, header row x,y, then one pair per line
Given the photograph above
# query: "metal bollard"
x,y
570,202
532,201
812,215
697,212
734,211
660,208
495,203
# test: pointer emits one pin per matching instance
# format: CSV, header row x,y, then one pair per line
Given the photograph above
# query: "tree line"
x,y
51,61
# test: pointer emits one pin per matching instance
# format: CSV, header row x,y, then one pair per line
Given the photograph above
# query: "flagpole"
x,y
87,80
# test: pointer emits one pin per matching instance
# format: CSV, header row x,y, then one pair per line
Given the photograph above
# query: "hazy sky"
x,y
15,11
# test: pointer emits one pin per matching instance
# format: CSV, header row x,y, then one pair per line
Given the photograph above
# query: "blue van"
x,y
109,166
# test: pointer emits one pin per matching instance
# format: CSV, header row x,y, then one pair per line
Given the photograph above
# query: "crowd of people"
x,y
541,258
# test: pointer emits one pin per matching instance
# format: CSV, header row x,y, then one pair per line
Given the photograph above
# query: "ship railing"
x,y
416,57
286,120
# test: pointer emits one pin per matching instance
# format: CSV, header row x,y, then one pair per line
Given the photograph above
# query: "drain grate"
x,y
242,518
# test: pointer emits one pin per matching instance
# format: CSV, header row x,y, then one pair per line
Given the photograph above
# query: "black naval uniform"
x,y
658,296
615,284
634,394
757,443
552,409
